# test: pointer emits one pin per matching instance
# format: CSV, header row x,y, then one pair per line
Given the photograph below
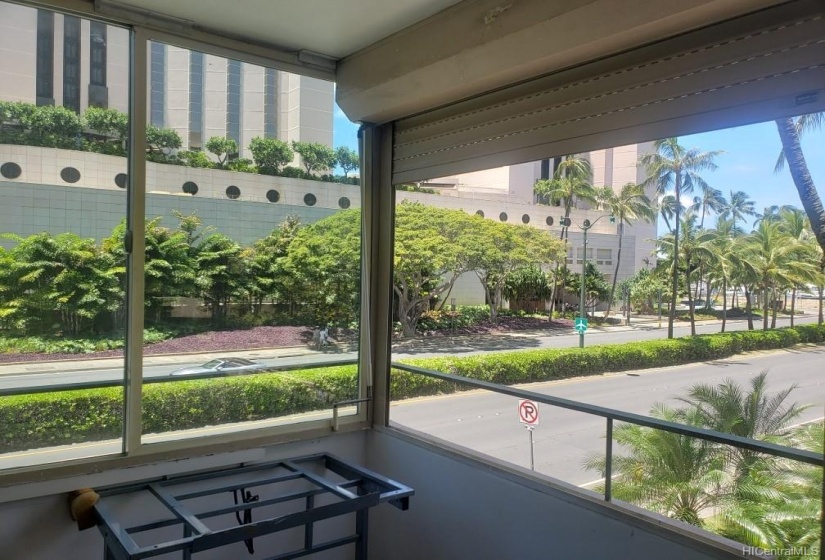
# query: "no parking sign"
x,y
528,412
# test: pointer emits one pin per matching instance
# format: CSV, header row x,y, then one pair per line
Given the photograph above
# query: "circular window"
x,y
525,219
233,192
480,213
70,175
549,221
10,170
273,195
343,202
503,216
309,199
190,187
121,179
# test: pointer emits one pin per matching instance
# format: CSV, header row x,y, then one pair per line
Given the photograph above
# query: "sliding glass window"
x,y
62,265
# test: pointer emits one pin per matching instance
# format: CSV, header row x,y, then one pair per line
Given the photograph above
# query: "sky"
x,y
746,164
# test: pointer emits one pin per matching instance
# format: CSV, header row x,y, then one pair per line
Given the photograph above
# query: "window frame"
x,y
135,451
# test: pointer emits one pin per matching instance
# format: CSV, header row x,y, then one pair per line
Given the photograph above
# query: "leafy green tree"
x,y
270,154
596,288
429,257
322,268
645,289
525,284
195,158
112,126
169,266
672,166
53,127
347,159
222,274
314,156
267,267
161,142
63,277
223,148
493,250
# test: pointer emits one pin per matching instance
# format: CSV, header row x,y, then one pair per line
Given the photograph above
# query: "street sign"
x,y
580,325
528,412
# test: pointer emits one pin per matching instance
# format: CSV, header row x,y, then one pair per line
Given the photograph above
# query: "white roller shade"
x,y
754,68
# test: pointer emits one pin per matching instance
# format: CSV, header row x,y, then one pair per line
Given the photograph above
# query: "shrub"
x,y
61,418
270,155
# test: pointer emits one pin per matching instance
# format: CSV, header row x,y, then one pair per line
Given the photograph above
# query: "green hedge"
x,y
60,418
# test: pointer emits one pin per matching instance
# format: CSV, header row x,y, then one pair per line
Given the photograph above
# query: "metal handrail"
x,y
611,414
59,387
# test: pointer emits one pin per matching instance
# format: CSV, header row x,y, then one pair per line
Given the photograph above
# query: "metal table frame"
x,y
361,490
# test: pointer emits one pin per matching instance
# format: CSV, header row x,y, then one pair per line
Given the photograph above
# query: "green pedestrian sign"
x,y
580,325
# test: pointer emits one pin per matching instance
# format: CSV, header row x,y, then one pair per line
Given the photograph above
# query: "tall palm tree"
x,y
629,204
686,253
795,223
672,166
726,259
774,256
712,200
789,131
571,184
667,209
738,206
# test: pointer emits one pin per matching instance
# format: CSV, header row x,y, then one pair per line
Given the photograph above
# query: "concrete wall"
x,y
465,509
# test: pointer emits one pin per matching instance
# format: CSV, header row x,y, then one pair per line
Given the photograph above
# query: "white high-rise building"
x,y
55,59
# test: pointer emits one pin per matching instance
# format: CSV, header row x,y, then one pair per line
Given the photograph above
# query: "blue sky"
x,y
747,163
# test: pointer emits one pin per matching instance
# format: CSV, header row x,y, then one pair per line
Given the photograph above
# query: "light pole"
x,y
585,226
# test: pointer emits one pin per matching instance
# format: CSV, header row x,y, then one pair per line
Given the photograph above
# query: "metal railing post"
x,y
608,463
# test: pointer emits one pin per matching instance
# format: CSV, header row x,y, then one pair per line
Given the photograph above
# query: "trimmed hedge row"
x,y
43,420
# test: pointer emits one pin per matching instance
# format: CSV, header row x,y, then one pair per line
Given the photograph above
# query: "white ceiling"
x,y
335,28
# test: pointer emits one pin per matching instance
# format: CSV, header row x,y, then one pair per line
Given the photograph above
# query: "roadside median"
x,y
66,417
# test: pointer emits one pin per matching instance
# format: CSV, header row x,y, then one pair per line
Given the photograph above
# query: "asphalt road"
x,y
90,370
564,440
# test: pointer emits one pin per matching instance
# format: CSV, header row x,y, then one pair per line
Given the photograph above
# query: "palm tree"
x,y
674,166
795,223
789,132
672,474
630,203
726,259
667,209
738,206
712,200
755,414
741,494
686,253
773,254
570,185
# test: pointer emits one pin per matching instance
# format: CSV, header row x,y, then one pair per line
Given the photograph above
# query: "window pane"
x,y
243,275
62,265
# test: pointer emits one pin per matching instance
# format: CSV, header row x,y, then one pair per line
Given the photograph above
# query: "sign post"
x,y
528,414
580,325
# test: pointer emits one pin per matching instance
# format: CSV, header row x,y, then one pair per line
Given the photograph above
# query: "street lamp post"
x,y
585,226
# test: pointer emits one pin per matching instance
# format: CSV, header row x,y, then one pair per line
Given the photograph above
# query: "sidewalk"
x,y
503,341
